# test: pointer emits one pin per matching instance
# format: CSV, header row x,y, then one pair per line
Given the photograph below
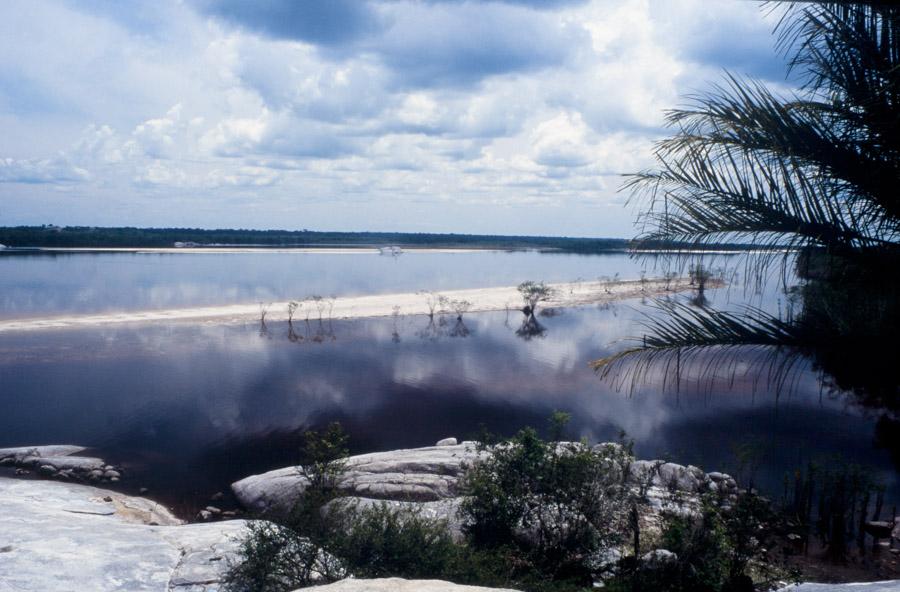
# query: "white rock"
x,y
54,450
418,474
59,537
447,442
884,586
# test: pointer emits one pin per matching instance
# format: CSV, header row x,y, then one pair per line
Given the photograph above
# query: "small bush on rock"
x,y
550,504
382,541
275,558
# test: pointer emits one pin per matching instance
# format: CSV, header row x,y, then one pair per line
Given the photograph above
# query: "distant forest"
x,y
49,236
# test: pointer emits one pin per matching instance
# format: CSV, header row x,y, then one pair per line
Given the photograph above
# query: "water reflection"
x,y
530,328
53,284
189,408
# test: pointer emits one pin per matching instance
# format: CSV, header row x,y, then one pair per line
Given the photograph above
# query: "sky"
x,y
482,117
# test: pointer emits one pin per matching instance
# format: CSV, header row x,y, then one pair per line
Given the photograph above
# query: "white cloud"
x,y
50,170
454,108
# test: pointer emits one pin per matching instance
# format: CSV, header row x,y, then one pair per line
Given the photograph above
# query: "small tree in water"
x,y
533,293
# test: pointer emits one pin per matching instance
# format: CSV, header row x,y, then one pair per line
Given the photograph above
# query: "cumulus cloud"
x,y
422,44
51,170
454,115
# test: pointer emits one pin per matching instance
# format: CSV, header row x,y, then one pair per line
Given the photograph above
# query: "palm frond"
x,y
685,342
819,170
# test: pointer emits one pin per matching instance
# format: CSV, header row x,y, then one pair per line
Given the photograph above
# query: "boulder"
x,y
401,585
447,442
57,537
879,529
419,474
658,558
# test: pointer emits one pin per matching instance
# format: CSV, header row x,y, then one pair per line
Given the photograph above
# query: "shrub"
x,y
533,293
275,558
722,547
382,541
550,504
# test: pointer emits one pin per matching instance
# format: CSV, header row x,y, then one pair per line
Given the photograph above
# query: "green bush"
x,y
549,504
275,558
382,541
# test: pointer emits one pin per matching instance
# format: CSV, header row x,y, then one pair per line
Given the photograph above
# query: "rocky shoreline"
x,y
428,479
60,462
62,536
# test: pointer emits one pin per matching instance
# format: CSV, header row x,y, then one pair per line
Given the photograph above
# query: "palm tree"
x,y
816,171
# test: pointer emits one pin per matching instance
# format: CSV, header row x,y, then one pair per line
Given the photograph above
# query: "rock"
x,y
401,585
58,462
213,510
671,476
878,529
659,558
605,561
65,536
419,474
677,477
218,496
428,480
55,450
885,586
73,463
143,490
447,442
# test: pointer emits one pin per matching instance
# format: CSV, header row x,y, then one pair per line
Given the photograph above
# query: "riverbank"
x,y
66,536
380,305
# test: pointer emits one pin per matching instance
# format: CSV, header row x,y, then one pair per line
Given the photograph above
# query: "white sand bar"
x,y
356,307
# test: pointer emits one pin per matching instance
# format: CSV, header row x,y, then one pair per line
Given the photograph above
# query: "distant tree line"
x,y
91,236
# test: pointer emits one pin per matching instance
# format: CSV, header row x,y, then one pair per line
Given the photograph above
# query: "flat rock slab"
x,y
432,474
64,537
417,474
401,585
886,586
72,463
60,462
53,450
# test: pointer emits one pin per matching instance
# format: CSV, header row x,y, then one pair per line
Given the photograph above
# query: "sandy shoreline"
x,y
357,307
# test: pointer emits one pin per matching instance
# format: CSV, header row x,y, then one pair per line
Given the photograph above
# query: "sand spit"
x,y
356,307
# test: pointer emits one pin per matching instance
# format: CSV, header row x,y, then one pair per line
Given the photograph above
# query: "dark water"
x,y
190,408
